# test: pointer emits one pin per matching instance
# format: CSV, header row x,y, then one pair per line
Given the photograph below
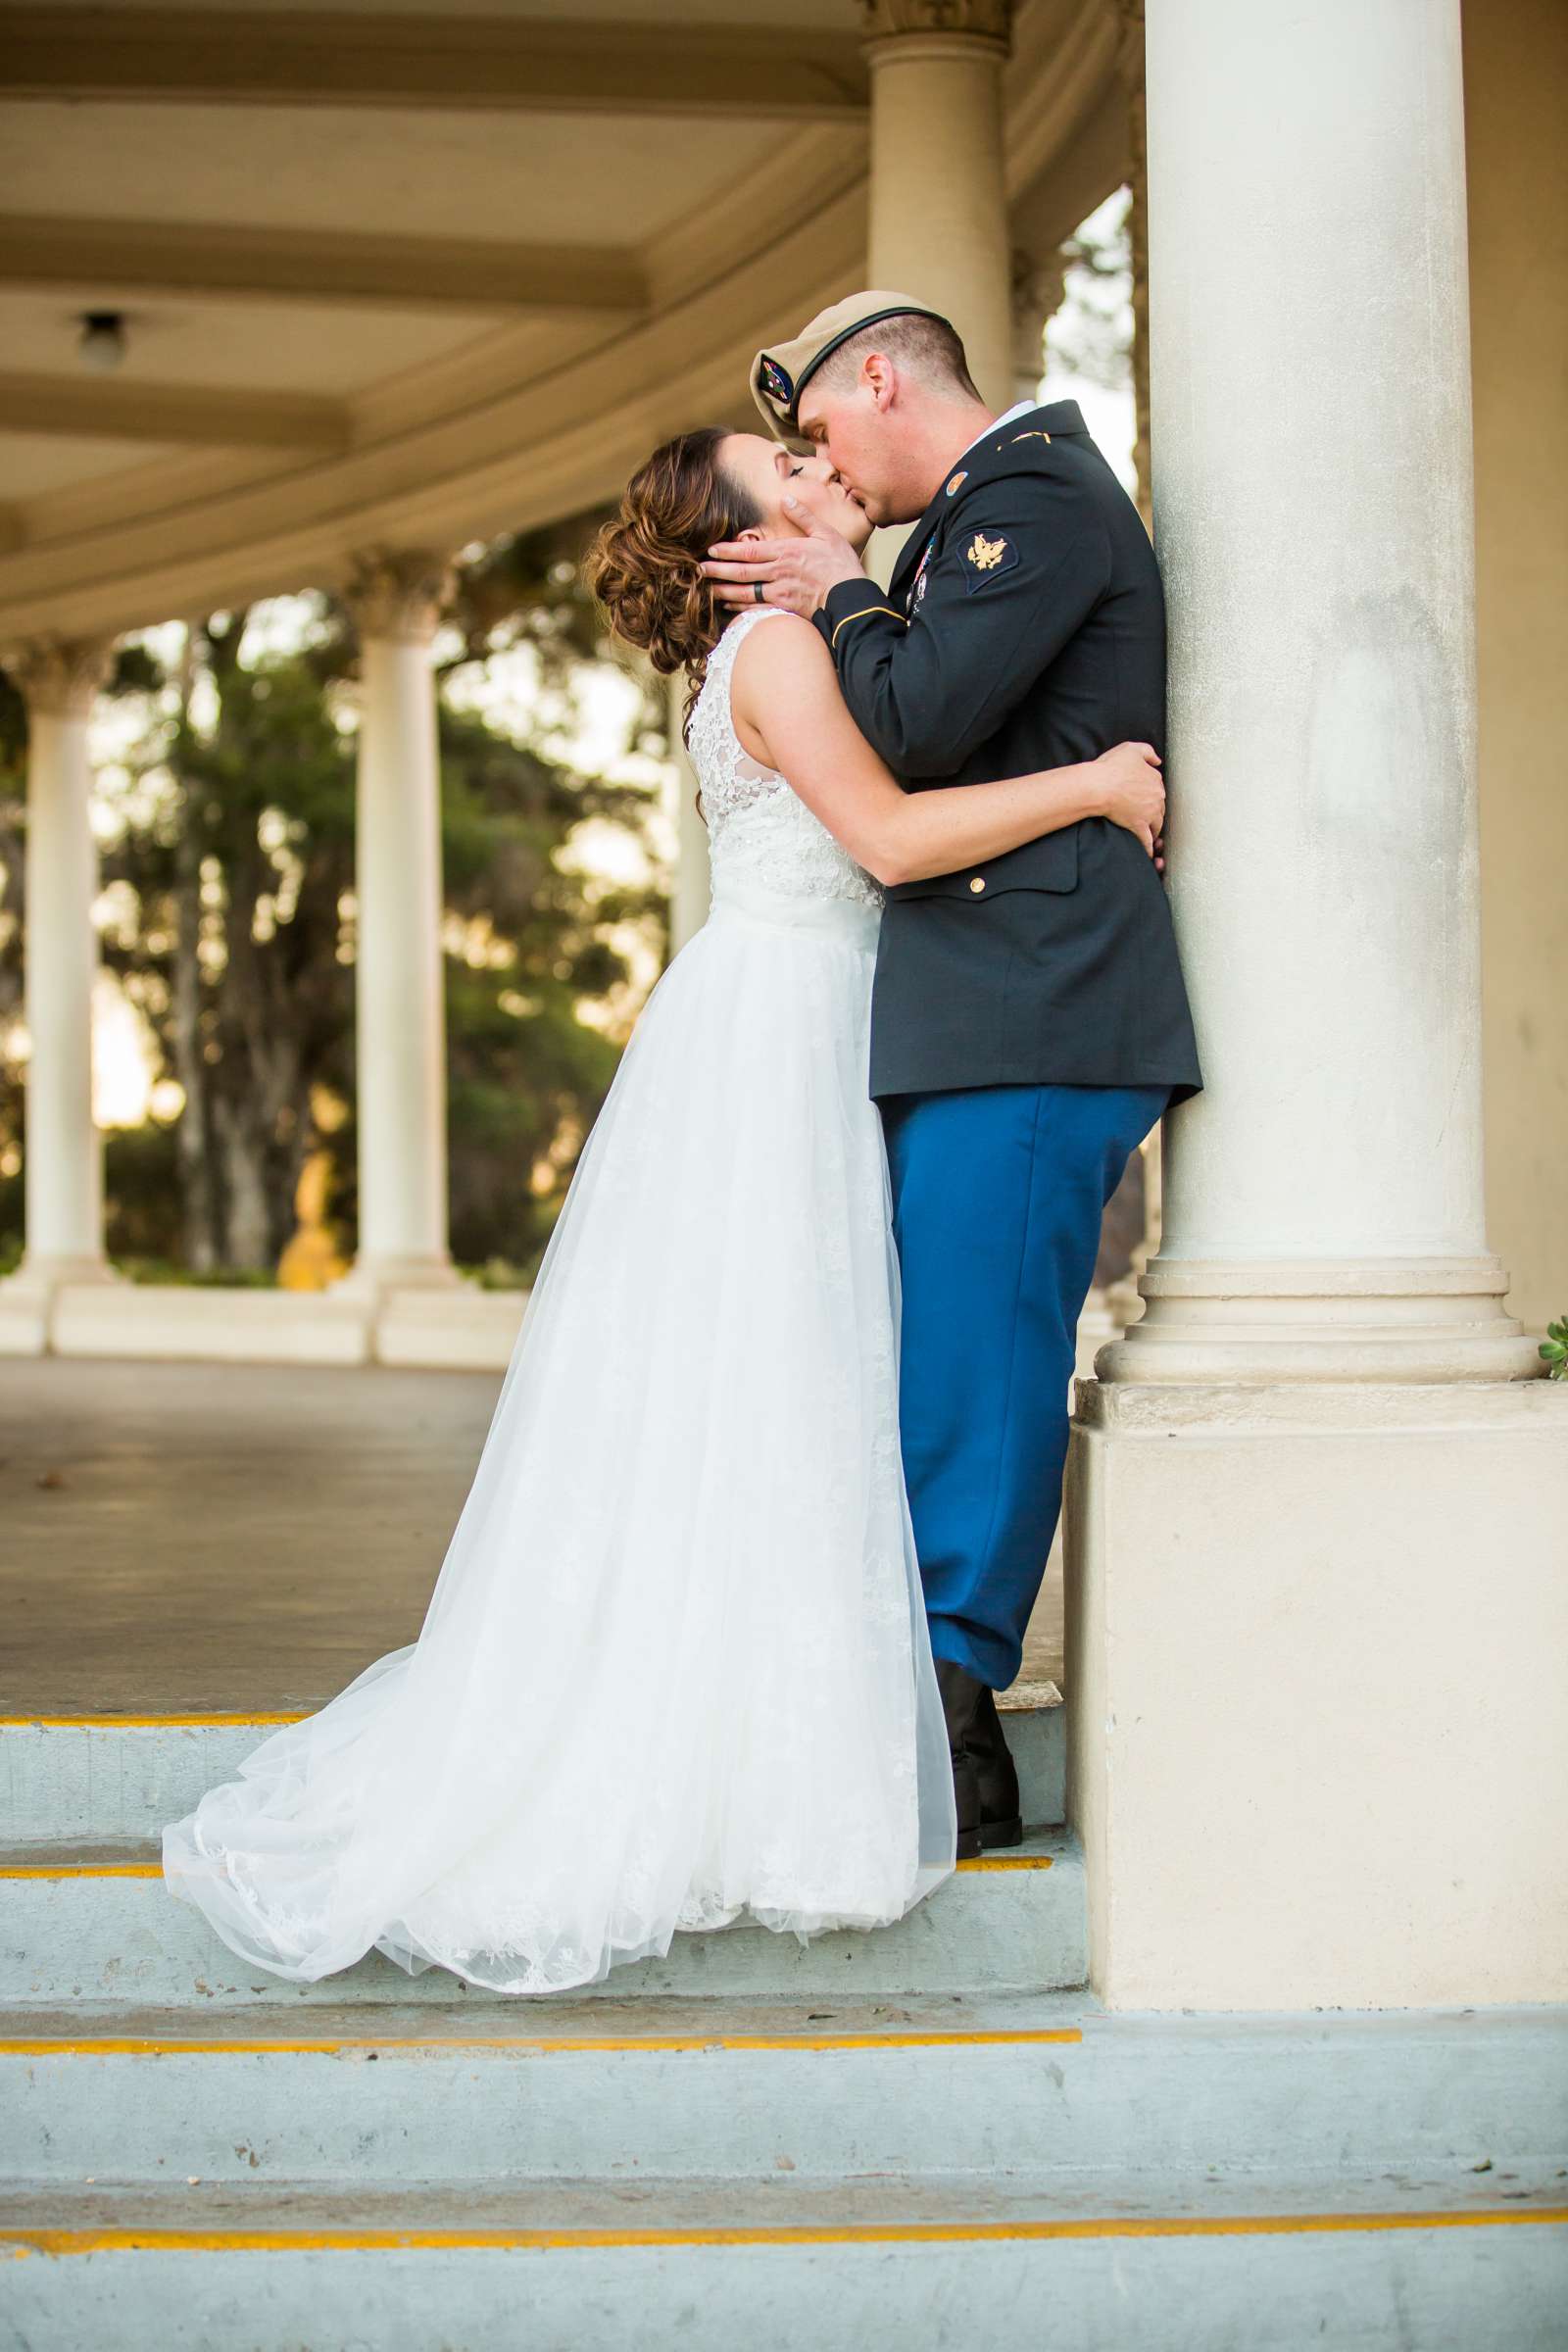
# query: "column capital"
x,y
59,676
399,592
1036,291
984,20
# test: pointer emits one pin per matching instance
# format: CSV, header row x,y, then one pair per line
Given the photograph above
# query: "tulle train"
x,y
675,1672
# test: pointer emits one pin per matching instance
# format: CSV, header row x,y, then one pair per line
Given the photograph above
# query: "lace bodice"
x,y
760,833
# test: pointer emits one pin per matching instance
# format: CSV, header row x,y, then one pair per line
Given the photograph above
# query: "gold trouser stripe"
x,y
865,613
106,2240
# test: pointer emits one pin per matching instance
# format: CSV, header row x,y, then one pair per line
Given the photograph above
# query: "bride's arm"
x,y
788,713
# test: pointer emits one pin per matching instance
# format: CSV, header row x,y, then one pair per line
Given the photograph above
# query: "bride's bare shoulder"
x,y
788,651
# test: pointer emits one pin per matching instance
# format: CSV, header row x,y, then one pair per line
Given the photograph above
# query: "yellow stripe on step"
x,y
100,2241
200,1722
328,2045
138,1723
81,1870
155,1869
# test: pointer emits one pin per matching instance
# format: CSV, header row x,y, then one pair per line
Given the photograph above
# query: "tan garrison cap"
x,y
779,377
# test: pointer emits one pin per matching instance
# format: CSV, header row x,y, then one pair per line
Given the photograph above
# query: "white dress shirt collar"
x,y
1020,408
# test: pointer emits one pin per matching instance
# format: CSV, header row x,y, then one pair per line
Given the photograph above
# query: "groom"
x,y
1029,1022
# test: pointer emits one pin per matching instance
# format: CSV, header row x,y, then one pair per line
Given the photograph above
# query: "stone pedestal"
x,y
1317,1747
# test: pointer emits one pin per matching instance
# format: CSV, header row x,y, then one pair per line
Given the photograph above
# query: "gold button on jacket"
x,y
978,882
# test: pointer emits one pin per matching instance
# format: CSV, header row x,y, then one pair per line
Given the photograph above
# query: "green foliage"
x,y
234,872
1554,1349
525,1075
141,1180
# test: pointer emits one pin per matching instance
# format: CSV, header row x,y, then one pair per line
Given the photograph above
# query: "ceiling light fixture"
x,y
102,342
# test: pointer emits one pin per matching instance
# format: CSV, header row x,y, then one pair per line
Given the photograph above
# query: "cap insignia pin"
x,y
776,382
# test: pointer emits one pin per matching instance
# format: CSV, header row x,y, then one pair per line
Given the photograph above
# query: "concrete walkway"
x,y
194,1538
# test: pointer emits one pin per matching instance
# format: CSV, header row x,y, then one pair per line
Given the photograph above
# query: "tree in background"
x,y
231,925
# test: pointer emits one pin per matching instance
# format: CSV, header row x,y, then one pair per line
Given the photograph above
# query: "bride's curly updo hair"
x,y
645,566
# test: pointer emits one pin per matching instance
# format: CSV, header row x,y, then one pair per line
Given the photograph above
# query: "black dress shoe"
x,y
985,1779
960,1700
1001,1816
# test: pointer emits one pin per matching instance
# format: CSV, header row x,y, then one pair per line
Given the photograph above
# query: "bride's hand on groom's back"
x,y
1133,792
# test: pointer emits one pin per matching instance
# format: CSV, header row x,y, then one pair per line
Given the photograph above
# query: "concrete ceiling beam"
x,y
120,410
319,58
212,261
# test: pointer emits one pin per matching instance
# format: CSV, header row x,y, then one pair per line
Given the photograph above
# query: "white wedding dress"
x,y
675,1672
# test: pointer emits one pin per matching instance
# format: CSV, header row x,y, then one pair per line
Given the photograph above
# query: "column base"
x,y
1317,1754
376,1277
29,1297
421,1313
1262,1321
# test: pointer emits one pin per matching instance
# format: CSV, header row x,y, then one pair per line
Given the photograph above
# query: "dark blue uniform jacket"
x,y
1024,628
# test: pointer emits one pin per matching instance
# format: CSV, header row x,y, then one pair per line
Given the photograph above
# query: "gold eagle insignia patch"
x,y
987,559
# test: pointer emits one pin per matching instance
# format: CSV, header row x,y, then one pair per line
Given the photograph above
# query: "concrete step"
x,y
719,2086
87,1777
1166,2264
97,1923
635,2088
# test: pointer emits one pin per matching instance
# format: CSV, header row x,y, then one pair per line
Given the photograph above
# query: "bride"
x,y
675,1672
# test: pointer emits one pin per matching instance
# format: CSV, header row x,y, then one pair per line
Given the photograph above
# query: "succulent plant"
x,y
1554,1349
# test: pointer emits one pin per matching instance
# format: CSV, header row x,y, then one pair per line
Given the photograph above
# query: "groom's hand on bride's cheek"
x,y
796,573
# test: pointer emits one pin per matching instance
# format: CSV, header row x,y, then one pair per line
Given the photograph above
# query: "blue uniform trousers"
x,y
997,1193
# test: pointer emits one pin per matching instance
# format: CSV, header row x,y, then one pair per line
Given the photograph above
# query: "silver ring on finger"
x,y
756,593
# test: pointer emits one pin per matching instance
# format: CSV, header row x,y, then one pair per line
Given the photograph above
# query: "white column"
x,y
1323,1210
937,203
63,1162
1314,1603
688,898
939,206
396,597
